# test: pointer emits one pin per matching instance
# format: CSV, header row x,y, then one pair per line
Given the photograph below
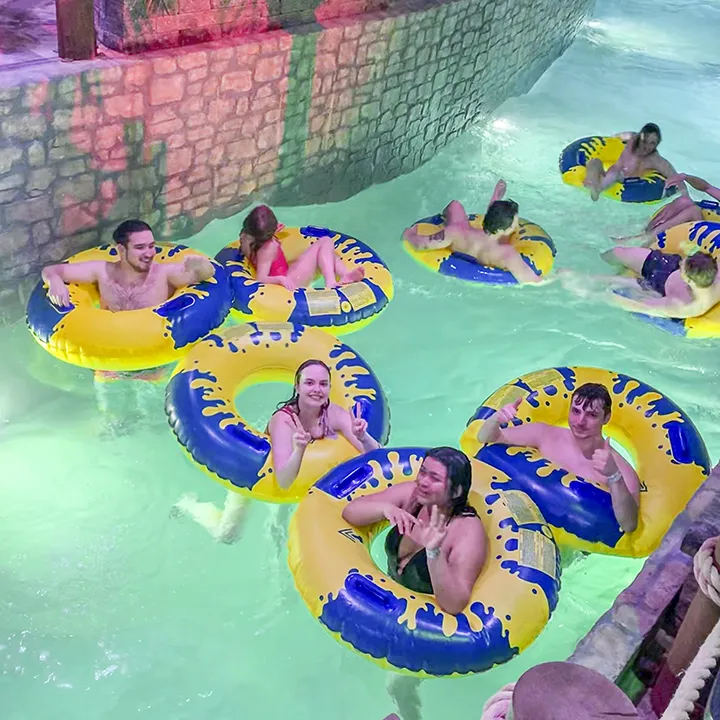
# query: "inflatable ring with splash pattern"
x,y
531,241
406,631
338,310
706,236
200,404
667,452
84,334
649,188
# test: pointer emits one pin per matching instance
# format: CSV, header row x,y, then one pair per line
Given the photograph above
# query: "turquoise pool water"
x,y
110,609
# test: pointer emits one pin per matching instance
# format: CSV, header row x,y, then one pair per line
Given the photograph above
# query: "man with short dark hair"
x,y
489,246
671,285
133,282
580,448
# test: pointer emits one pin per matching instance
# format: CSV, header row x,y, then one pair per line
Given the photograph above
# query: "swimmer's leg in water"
x,y
679,211
279,522
147,400
597,180
403,689
224,525
111,395
632,258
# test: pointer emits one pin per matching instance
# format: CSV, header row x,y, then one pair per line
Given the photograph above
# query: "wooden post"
x,y
76,29
565,691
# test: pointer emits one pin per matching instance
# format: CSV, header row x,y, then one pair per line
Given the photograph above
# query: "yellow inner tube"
x,y
200,402
649,188
530,240
344,309
88,336
667,452
403,630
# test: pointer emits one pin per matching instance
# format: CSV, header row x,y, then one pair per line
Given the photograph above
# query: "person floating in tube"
x,y
308,416
668,284
259,243
132,282
489,245
580,448
437,543
639,157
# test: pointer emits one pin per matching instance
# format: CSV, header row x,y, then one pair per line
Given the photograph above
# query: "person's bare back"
x,y
489,245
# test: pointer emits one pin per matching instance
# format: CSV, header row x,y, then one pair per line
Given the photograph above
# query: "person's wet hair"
x,y
647,129
701,268
126,228
260,224
459,472
293,401
590,394
500,216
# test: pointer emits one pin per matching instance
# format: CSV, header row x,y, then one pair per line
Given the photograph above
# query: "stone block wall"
x,y
179,137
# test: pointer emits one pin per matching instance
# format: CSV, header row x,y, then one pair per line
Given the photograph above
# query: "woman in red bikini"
x,y
309,415
258,242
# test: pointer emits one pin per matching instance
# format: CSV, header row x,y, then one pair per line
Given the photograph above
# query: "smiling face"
x,y
139,252
313,387
587,418
431,484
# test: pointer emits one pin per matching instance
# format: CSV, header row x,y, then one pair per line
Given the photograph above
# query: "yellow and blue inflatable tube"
x,y
667,453
710,210
706,236
404,631
200,404
650,188
344,309
83,334
531,241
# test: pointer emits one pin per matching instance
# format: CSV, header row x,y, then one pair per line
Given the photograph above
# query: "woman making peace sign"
x,y
309,415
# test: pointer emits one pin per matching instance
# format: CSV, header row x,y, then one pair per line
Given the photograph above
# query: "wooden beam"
x,y
76,29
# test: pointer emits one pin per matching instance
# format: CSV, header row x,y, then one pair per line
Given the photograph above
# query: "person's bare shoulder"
x,y
552,432
106,268
466,528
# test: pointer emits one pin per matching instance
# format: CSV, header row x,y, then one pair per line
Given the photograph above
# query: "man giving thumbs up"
x,y
580,448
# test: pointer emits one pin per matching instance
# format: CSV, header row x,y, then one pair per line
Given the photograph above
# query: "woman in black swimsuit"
x,y
437,544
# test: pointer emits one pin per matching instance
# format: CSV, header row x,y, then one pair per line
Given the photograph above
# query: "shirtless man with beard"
x,y
132,282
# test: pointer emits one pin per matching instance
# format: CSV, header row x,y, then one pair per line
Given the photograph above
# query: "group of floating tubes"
x,y
86,335
528,506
